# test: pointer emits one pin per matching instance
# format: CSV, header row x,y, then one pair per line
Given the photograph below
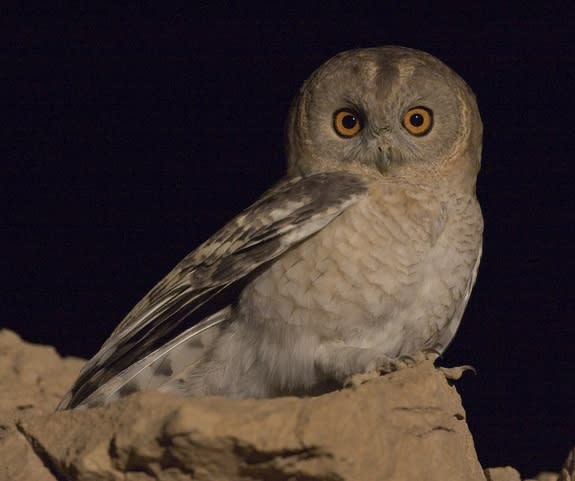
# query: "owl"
x,y
364,253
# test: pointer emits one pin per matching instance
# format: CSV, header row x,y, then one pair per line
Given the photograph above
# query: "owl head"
x,y
390,110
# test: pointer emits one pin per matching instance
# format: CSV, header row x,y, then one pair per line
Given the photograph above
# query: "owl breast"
x,y
393,272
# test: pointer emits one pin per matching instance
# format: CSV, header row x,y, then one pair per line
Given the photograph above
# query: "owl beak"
x,y
383,159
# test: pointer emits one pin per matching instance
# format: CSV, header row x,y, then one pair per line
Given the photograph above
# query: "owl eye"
x,y
347,123
418,121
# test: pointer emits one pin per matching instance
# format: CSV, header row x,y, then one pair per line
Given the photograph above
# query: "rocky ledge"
x,y
404,426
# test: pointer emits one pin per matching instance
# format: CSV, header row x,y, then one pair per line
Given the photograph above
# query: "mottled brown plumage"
x,y
367,251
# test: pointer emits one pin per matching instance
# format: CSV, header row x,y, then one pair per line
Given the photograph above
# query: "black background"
x,y
130,134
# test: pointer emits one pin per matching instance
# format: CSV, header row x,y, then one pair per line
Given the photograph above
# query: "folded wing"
x,y
193,291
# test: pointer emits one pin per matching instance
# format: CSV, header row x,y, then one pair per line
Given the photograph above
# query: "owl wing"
x,y
284,216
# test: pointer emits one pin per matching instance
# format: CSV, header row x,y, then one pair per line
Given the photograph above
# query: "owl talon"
x,y
404,361
383,366
417,358
431,353
361,378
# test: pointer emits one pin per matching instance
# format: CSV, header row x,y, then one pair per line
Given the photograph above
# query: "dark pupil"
x,y
416,120
349,122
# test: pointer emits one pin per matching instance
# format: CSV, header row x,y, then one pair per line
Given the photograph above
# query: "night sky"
x,y
130,134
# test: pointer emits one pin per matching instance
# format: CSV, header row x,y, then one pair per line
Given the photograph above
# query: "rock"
x,y
18,461
545,476
380,430
33,378
407,425
502,474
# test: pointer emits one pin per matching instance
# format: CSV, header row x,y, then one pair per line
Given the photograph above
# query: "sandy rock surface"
x,y
403,426
32,381
506,473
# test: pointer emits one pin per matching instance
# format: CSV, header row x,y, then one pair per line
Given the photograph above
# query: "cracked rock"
x,y
407,425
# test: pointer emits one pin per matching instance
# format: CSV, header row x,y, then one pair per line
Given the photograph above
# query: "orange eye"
x,y
418,121
347,123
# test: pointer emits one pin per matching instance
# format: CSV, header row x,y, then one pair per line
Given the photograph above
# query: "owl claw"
x,y
385,365
419,357
361,378
431,353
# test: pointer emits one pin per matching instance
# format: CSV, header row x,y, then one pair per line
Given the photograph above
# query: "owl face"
x,y
395,111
